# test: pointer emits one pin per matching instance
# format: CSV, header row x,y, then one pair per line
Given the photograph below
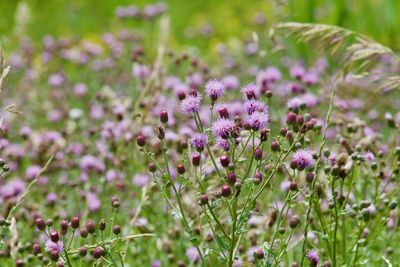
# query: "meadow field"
x,y
199,133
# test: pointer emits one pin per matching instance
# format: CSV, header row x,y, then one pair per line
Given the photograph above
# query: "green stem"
x,y
233,232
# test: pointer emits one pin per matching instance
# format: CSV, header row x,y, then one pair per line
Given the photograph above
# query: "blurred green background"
x,y
379,19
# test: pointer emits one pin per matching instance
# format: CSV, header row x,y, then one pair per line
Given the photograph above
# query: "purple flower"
x,y
230,82
80,89
250,90
254,105
222,128
309,99
52,246
214,89
56,80
192,254
269,75
91,163
222,110
93,202
223,144
155,263
259,120
12,189
32,172
51,198
191,104
199,141
303,159
369,156
310,78
295,103
140,179
140,71
297,71
313,257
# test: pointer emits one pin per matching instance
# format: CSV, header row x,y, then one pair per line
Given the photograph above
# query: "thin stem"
x,y
233,231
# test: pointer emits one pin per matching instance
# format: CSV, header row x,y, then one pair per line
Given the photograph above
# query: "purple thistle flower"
x,y
309,99
313,257
310,78
91,163
141,179
199,141
52,246
223,144
192,254
214,89
269,75
369,156
32,172
93,202
254,105
303,159
140,71
222,128
259,120
191,104
80,89
250,90
12,189
295,103
51,198
297,71
222,110
230,82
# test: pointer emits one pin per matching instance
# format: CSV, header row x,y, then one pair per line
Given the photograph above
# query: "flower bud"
x,y
203,200
293,222
225,190
54,237
116,229
102,225
291,118
82,251
75,222
90,227
275,147
224,159
231,178
164,116
258,153
83,232
98,252
180,168
141,140
40,224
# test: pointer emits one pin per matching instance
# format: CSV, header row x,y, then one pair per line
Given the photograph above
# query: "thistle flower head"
x,y
214,89
222,128
223,144
259,120
191,104
231,82
303,159
295,103
250,91
252,106
54,246
199,141
192,254
313,257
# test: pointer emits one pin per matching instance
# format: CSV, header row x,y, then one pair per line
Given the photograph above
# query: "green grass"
x,y
229,19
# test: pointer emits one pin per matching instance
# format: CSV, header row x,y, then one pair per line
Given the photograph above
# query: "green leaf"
x,y
222,243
